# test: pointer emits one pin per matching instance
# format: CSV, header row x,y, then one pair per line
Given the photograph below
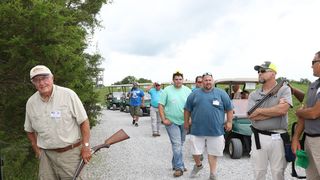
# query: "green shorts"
x,y
135,110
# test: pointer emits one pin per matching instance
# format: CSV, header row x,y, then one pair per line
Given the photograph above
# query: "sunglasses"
x,y
263,71
315,61
207,74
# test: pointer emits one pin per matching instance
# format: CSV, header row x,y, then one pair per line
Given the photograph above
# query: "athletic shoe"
x,y
195,170
213,177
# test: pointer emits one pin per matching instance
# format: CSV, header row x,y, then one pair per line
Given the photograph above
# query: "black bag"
x,y
290,157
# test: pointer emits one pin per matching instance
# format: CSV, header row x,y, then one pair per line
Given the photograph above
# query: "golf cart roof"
x,y
236,80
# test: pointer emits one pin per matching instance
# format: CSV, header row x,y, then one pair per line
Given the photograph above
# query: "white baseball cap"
x,y
39,70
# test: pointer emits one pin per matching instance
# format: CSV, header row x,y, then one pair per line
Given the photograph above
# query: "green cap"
x,y
302,159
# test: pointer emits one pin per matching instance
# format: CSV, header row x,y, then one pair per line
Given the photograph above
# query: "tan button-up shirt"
x,y
56,122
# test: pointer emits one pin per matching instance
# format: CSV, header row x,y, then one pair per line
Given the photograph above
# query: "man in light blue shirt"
x,y
155,93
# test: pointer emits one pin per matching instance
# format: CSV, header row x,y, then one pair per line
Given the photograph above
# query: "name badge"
x,y
275,136
55,114
215,103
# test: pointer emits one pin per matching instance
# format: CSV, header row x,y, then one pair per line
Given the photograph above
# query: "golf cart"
x,y
124,103
238,140
147,103
113,100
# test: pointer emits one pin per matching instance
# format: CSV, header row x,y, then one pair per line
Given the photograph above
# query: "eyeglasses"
x,y
315,61
207,74
263,71
38,79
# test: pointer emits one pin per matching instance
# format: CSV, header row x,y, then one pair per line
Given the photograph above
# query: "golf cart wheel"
x,y
114,106
235,148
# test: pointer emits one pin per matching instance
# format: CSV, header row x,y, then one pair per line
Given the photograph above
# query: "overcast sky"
x,y
152,39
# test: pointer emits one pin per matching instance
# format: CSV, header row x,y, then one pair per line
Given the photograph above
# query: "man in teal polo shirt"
x,y
171,104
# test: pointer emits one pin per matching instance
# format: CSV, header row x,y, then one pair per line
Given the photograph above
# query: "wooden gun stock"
x,y
297,93
115,138
272,92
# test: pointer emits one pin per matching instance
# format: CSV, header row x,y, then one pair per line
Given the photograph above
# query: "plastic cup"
x,y
302,159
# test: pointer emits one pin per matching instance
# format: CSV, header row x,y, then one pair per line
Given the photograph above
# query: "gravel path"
x,y
149,158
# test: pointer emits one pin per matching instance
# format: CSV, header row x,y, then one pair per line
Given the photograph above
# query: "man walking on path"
x,y
207,107
155,93
136,97
171,104
198,82
57,126
309,122
269,124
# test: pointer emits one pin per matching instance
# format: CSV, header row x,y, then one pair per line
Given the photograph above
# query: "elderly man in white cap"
x,y
57,126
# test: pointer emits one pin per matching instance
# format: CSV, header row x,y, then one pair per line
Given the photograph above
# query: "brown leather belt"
x,y
67,148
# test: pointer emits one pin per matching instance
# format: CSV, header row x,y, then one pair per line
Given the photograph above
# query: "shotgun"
x,y
115,138
271,93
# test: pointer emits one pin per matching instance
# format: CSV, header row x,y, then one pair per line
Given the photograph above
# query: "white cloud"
x,y
152,39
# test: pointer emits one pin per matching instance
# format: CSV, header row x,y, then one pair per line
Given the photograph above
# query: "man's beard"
x,y
262,81
207,87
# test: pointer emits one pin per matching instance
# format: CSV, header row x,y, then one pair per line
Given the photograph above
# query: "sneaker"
x,y
213,177
136,124
154,135
178,173
133,122
195,170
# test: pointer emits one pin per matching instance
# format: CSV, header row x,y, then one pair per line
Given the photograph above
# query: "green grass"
x,y
296,104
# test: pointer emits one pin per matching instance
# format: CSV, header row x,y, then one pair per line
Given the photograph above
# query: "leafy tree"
x,y
131,79
52,33
142,80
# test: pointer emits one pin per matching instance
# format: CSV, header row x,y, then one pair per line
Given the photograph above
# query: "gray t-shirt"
x,y
274,123
313,126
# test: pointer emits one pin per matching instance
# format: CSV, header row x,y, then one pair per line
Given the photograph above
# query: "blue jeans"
x,y
177,137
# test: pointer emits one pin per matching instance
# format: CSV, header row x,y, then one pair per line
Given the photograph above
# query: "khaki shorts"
x,y
135,110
